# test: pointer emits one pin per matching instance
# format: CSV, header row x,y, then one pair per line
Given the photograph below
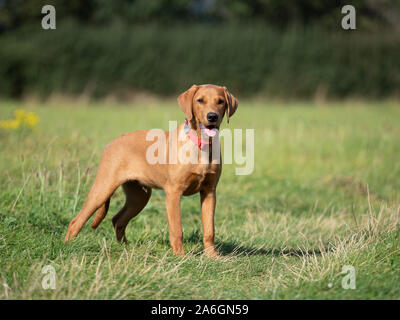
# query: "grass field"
x,y
325,193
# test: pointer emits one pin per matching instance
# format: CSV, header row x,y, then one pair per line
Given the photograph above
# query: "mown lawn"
x,y
325,193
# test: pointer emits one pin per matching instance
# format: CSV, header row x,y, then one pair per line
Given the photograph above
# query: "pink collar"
x,y
194,138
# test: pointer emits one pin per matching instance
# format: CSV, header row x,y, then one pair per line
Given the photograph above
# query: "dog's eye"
x,y
221,101
200,100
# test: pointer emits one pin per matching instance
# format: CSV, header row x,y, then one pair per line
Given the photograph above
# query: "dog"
x,y
124,163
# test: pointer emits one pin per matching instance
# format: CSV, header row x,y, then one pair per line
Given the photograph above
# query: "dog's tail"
x,y
101,214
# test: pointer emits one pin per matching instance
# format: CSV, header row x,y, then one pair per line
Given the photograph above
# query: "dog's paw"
x,y
212,253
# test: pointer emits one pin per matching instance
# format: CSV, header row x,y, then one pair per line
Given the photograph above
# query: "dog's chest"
x,y
200,176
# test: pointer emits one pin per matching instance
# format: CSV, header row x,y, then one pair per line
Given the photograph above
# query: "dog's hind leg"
x,y
101,214
137,196
101,191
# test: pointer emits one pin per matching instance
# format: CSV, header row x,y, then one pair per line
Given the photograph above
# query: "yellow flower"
x,y
20,114
31,119
9,124
22,118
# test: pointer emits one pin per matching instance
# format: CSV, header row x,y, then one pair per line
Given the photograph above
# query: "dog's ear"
x,y
185,101
231,104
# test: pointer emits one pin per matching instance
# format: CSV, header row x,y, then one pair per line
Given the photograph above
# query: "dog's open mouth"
x,y
210,130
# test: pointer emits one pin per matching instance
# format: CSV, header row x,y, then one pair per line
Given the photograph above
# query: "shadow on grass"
x,y
226,248
233,248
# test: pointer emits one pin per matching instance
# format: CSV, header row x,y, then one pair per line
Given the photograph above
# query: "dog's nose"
x,y
212,117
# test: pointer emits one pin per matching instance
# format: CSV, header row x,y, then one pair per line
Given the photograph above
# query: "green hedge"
x,y
248,59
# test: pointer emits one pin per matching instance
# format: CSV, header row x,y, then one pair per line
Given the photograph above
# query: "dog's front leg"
x,y
173,202
208,200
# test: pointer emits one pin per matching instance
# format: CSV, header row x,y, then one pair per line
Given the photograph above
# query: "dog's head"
x,y
206,104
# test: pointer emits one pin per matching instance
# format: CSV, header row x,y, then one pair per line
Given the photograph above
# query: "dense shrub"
x,y
248,59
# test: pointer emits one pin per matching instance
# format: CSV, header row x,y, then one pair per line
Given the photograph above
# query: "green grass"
x,y
325,193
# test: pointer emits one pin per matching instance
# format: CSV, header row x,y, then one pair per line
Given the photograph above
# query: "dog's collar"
x,y
194,138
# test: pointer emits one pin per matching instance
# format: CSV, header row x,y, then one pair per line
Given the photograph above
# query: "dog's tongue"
x,y
210,132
